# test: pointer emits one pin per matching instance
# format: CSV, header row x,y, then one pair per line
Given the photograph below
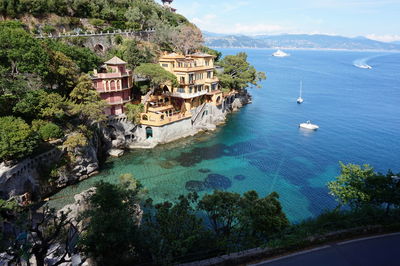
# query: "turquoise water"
x,y
261,147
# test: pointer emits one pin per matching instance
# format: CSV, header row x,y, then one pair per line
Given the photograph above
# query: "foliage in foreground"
x,y
169,232
117,231
359,186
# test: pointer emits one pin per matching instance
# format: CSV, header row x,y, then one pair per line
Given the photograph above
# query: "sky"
x,y
375,19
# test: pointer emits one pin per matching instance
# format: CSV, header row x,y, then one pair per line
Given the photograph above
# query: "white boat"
x,y
365,66
309,125
280,53
300,99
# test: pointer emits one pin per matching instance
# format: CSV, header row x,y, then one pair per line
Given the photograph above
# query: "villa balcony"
x,y
160,107
112,75
211,80
192,68
185,95
161,119
122,101
187,83
113,90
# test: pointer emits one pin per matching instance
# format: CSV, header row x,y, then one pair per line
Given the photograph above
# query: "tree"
x,y
142,14
111,225
20,52
238,73
188,39
83,57
17,140
222,209
86,101
261,217
349,186
40,104
157,77
133,111
50,131
135,55
210,51
243,221
172,231
63,73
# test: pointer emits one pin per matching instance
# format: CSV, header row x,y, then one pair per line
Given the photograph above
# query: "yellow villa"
x,y
197,86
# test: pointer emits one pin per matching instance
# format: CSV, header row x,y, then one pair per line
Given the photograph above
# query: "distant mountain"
x,y
316,41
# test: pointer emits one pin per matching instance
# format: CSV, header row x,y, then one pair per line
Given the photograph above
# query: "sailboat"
x,y
300,100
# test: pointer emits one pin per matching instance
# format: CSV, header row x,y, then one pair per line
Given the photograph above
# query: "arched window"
x,y
144,117
218,99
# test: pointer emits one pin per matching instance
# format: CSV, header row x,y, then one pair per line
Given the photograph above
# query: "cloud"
x,y
210,23
383,38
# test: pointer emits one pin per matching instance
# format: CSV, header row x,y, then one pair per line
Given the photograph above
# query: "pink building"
x,y
114,83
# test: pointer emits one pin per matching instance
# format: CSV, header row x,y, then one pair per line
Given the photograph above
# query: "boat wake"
x,y
362,63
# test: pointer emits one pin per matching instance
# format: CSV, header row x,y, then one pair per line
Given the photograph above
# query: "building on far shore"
x,y
114,83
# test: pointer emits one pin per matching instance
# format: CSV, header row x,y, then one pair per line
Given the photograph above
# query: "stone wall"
x,y
24,176
204,117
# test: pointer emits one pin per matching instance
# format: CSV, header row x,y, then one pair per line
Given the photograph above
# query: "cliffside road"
x,y
373,251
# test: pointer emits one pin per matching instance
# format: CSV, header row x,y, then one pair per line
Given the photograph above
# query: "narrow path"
x,y
381,250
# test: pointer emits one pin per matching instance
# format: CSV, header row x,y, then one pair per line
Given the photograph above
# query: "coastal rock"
x,y
239,177
116,152
217,182
204,170
236,105
81,204
195,186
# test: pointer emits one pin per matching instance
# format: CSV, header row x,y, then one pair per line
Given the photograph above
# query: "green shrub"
x,y
50,131
17,139
49,29
96,22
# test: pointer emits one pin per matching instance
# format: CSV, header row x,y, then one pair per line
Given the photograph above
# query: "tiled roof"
x,y
201,55
115,61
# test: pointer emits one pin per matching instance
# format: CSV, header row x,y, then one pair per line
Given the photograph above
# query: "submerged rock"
x,y
217,182
239,177
204,170
168,164
195,186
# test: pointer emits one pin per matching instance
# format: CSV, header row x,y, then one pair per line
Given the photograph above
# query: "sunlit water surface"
x,y
261,147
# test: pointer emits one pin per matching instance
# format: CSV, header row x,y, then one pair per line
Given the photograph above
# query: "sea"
x,y
262,148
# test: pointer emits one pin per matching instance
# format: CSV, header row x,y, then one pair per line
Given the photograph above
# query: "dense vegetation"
x,y
42,88
120,227
138,14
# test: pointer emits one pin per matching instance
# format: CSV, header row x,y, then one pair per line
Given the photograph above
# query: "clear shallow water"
x,y
358,111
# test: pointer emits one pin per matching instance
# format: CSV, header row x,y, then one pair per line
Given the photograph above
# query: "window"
x,y
164,65
209,74
207,62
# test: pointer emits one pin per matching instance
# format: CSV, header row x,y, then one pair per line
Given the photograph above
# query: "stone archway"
x,y
99,48
149,133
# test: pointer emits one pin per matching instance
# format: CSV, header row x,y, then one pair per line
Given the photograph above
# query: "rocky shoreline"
x,y
28,180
